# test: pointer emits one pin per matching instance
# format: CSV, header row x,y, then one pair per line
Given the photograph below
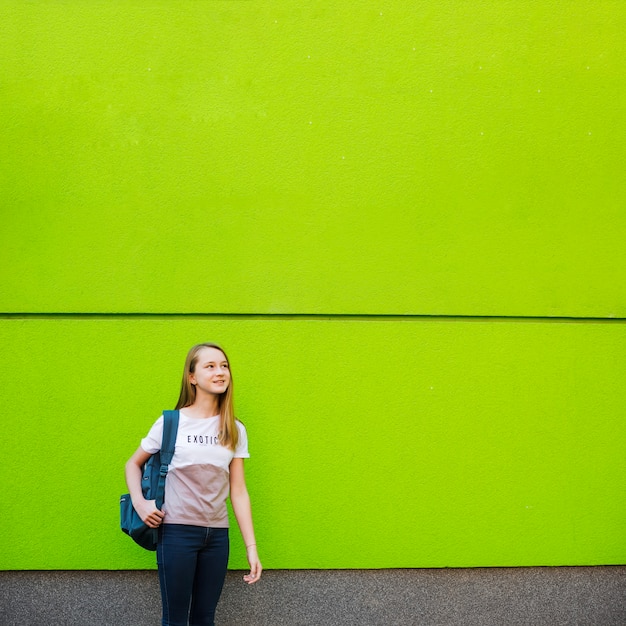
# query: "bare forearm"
x,y
240,500
243,514
133,481
145,508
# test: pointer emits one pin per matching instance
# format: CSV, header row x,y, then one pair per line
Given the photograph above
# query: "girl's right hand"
x,y
149,514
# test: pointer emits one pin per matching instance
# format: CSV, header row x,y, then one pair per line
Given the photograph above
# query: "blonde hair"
x,y
229,435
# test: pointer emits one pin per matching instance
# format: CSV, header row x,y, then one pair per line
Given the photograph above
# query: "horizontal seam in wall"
x,y
317,317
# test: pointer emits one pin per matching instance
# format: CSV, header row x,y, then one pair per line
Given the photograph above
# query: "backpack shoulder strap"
x,y
170,428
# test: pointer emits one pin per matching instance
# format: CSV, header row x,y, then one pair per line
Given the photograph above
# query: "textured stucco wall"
x,y
429,157
374,443
405,222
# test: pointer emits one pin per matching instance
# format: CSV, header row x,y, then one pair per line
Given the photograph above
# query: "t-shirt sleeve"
x,y
241,452
151,443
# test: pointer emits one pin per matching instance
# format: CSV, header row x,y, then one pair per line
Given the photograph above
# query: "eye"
x,y
225,366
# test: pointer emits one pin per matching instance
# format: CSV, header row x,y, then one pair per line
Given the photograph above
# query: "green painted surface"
x,y
374,444
429,157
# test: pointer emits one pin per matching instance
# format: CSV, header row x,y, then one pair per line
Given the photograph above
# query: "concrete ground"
x,y
482,597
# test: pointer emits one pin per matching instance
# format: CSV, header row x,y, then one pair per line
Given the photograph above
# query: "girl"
x,y
192,552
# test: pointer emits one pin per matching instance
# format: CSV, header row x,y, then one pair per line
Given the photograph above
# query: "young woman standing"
x,y
192,552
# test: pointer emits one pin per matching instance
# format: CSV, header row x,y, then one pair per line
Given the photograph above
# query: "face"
x,y
211,374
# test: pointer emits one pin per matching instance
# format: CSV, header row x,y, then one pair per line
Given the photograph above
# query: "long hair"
x,y
229,435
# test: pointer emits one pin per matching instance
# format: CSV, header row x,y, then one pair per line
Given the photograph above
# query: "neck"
x,y
205,405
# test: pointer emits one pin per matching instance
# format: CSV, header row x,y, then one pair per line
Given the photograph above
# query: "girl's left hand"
x,y
255,566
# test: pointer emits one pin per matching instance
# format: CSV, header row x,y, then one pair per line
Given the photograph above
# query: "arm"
x,y
146,509
240,500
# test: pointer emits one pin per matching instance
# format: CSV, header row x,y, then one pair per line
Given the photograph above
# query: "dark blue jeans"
x,y
192,564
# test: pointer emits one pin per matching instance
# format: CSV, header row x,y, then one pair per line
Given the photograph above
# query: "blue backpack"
x,y
152,486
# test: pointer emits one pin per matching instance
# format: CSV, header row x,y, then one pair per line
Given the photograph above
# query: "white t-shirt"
x,y
197,483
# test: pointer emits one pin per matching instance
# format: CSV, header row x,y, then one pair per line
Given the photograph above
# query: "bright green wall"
x,y
377,208
374,443
446,157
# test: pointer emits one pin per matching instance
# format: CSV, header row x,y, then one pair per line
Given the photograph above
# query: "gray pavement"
x,y
482,597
